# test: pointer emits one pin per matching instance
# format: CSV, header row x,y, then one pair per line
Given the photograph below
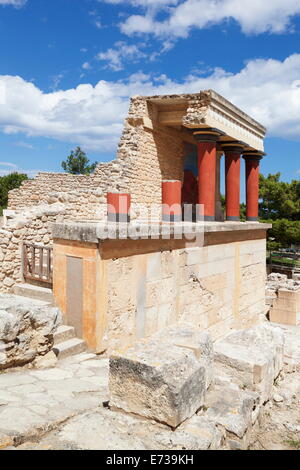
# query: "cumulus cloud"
x,y
15,3
267,89
258,16
121,52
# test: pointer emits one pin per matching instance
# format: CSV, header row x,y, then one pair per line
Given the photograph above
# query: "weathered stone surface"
x,y
46,361
198,433
26,331
33,402
232,408
185,335
158,381
253,357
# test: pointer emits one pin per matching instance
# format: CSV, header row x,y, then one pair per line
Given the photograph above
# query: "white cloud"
x,y
86,66
13,168
115,56
144,3
15,3
258,16
23,144
55,81
98,24
91,116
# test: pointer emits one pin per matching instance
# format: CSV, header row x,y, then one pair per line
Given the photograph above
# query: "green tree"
x,y
280,205
7,183
77,163
279,200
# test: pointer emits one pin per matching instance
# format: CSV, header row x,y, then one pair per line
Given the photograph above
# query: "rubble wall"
x,y
147,153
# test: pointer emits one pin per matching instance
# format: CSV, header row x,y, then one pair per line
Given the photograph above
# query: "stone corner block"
x,y
186,335
157,380
252,357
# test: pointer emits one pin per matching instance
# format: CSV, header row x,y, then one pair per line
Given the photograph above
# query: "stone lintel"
x,y
209,109
95,232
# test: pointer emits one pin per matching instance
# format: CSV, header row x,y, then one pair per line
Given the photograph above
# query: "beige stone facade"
x,y
130,289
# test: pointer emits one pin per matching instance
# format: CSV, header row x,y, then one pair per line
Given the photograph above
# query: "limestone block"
x,y
159,380
253,357
197,433
185,335
286,307
25,331
232,408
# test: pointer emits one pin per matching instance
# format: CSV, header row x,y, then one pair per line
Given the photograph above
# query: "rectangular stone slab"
x,y
157,380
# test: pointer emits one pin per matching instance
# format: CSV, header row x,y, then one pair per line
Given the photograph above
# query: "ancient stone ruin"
x,y
150,271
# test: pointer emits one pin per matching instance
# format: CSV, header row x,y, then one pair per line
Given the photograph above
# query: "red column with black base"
x,y
252,185
118,207
171,201
207,158
233,181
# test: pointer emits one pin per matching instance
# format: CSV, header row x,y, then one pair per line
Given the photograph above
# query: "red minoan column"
x,y
233,180
207,155
252,185
171,201
118,207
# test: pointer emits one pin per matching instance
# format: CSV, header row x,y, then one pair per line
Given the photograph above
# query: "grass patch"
x,y
292,443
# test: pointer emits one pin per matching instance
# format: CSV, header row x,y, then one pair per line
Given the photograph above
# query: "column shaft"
x,y
207,153
219,209
171,201
233,176
252,186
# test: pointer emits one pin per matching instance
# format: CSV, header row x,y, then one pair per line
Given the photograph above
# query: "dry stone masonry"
x,y
283,299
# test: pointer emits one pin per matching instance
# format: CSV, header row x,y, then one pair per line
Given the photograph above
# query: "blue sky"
x,y
68,67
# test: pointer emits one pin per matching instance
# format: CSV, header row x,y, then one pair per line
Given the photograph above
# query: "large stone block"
x,y
26,332
233,409
163,378
286,307
185,335
253,357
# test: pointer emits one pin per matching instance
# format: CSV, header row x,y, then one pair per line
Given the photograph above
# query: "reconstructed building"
x,y
116,289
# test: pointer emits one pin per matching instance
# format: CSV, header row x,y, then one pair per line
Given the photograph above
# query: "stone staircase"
x,y
66,344
34,292
65,341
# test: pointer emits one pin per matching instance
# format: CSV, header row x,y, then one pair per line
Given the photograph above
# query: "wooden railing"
x,y
37,263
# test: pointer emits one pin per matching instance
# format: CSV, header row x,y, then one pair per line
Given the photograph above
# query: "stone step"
x,y
34,292
69,347
63,333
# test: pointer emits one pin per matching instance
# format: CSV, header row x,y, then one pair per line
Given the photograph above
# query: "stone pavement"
x,y
33,401
66,408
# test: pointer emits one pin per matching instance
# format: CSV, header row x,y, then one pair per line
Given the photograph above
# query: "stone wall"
x,y
217,288
34,225
283,299
147,153
136,288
